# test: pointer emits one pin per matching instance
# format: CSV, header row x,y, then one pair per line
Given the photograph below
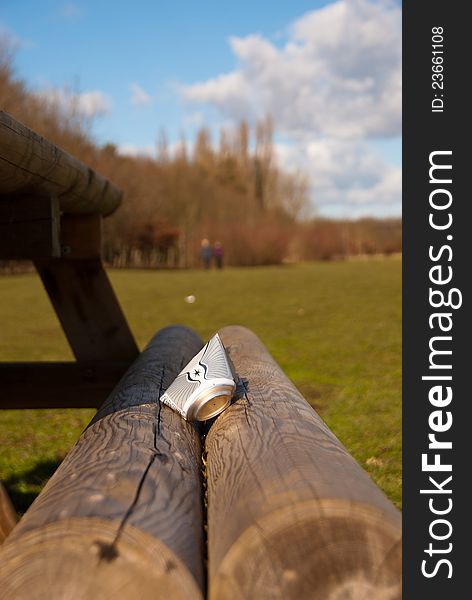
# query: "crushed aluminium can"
x,y
205,386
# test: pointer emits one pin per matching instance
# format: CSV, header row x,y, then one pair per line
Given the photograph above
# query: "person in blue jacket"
x,y
206,253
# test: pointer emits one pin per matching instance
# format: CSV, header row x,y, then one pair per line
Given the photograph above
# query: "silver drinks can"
x,y
205,386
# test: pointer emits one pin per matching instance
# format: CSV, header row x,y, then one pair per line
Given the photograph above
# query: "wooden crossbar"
x,y
82,384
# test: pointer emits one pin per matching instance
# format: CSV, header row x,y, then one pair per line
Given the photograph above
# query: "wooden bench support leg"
x,y
290,513
123,514
88,309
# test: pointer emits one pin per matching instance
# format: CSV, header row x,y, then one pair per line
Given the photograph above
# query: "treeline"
x,y
230,193
231,190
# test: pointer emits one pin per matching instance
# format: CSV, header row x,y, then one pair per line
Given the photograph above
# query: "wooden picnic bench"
x,y
264,502
51,210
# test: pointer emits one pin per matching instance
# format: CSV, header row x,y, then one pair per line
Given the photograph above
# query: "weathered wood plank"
x,y
7,514
123,515
29,227
88,309
18,209
58,385
290,513
31,164
81,236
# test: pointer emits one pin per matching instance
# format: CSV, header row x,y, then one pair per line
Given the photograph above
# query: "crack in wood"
x,y
205,512
109,552
240,392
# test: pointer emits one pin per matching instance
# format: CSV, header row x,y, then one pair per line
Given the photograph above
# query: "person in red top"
x,y
218,253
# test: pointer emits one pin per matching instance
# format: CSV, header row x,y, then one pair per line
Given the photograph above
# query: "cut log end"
x,y
83,559
328,550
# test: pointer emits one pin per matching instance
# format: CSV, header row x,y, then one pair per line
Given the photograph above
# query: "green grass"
x,y
335,328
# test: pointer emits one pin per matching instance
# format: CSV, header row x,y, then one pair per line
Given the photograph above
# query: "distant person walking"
x,y
218,253
206,253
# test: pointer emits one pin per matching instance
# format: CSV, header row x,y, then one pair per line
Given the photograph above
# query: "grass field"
x,y
334,327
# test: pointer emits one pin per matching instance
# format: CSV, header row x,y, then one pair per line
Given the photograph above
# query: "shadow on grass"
x,y
319,396
24,487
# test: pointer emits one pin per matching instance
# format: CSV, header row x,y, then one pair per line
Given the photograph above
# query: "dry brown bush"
x,y
326,239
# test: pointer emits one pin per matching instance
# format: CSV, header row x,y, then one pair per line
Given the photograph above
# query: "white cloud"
x,y
148,151
139,96
89,104
332,85
194,119
10,42
230,93
347,177
71,11
94,103
338,73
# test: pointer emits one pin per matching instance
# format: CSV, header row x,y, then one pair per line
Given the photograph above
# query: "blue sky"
x,y
328,72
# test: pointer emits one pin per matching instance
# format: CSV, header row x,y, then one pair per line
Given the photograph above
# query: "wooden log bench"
x,y
287,511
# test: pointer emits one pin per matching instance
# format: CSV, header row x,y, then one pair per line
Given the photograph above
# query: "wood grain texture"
x,y
58,384
29,227
31,164
88,309
7,514
137,467
291,515
65,561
